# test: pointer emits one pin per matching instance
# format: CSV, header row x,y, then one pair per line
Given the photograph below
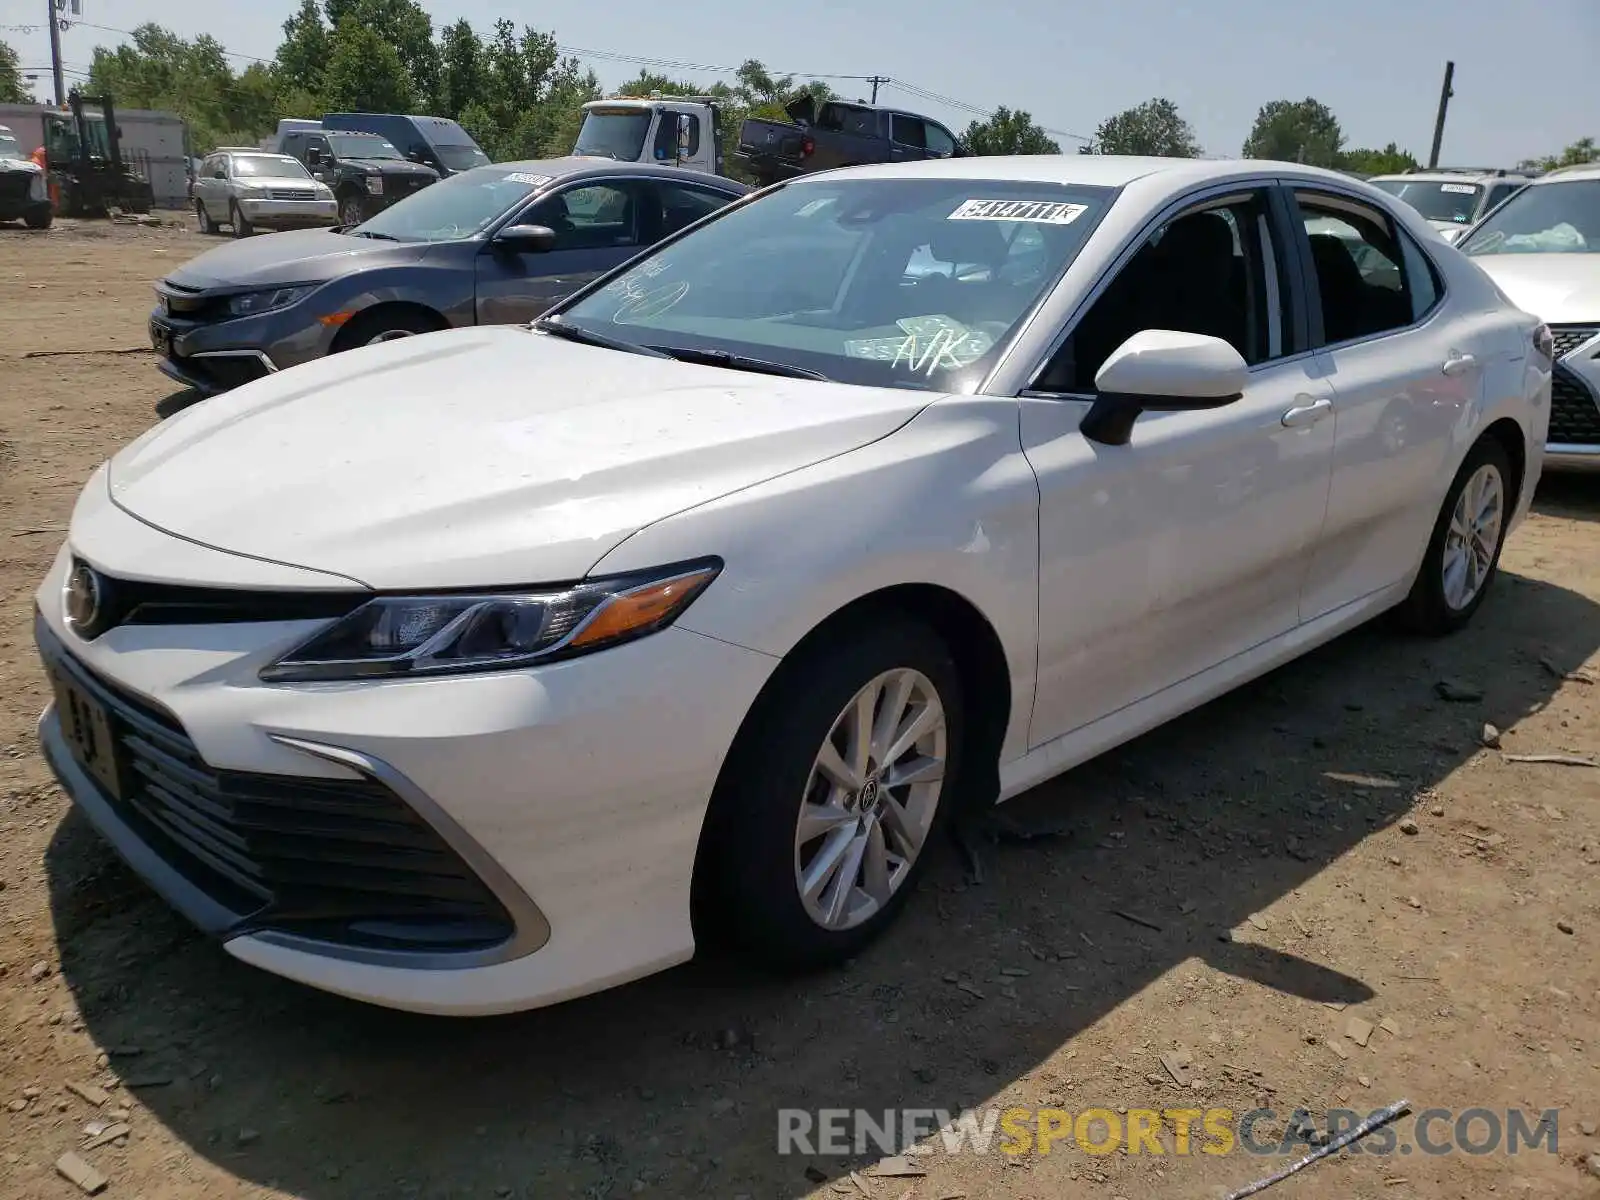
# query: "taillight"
x,y
1544,343
806,147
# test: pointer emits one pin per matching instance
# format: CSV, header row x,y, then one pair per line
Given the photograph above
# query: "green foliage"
x,y
1007,132
1391,160
1154,127
1296,131
11,89
365,73
1580,152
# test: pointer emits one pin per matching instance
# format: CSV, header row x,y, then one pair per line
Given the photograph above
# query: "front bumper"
x,y
214,356
290,214
575,792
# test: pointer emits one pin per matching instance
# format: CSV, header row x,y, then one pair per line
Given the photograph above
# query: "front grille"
x,y
340,860
189,303
1574,413
292,194
1569,337
14,184
141,602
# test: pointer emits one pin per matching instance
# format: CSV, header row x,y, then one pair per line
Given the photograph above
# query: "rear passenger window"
x,y
1358,264
908,131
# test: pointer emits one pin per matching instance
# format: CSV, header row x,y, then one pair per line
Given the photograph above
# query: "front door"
x,y
598,225
1187,546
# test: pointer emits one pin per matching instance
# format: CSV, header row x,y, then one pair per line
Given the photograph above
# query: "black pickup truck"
x,y
838,134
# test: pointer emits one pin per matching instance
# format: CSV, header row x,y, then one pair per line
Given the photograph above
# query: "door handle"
x,y
1458,364
1309,413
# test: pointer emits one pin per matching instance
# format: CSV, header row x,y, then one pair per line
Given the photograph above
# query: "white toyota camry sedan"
x,y
482,669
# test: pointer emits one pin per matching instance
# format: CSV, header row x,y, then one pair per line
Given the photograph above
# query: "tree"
x,y
1007,132
406,27
463,69
11,89
1296,131
365,73
1581,151
1153,127
1391,160
303,56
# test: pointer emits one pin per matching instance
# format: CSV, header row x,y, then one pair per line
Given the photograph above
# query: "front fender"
x,y
948,499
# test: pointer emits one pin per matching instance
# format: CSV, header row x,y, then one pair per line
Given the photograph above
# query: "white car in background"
x,y
1452,201
699,607
1543,251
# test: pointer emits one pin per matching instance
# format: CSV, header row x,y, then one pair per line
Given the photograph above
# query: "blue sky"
x,y
1525,76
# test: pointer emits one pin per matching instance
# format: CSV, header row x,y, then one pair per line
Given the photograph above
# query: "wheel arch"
x,y
1514,442
986,689
364,319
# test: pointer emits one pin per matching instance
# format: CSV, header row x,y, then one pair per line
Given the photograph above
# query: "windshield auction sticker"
x,y
1044,212
530,180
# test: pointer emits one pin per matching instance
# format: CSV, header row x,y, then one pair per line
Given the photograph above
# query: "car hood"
x,y
479,457
1556,288
393,166
297,256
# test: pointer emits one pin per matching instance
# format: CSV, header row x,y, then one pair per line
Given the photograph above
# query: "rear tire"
x,y
241,226
780,820
1463,555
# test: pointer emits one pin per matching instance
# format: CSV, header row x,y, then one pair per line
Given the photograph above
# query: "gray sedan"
x,y
494,245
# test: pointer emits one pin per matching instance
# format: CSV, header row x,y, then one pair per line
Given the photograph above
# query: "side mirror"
x,y
526,239
1161,370
417,156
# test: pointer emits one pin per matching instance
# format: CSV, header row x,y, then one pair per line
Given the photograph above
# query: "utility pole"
x,y
1438,122
875,81
55,51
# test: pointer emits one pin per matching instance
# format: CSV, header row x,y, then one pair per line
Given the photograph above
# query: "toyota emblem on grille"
x,y
83,596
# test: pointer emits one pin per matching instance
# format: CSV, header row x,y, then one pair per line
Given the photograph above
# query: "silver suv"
x,y
253,189
1453,199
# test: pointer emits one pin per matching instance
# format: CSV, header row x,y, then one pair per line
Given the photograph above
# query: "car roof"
x,y
1092,170
574,165
1455,177
1590,170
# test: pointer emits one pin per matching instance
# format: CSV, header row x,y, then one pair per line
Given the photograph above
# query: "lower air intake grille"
x,y
1574,413
340,860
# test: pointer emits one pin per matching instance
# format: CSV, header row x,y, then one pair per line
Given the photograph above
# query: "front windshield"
x,y
885,282
1544,218
461,158
362,146
461,206
271,166
1453,202
614,133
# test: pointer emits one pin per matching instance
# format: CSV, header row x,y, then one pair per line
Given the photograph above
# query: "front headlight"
x,y
253,304
249,192
375,185
324,192
409,636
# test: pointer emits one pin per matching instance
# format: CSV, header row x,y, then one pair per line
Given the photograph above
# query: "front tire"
x,y
38,218
385,325
1463,554
203,218
241,225
351,210
829,804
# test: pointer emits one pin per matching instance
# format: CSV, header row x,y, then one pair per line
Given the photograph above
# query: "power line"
x,y
672,64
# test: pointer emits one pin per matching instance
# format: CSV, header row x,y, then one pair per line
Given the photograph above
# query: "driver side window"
x,y
1216,270
591,217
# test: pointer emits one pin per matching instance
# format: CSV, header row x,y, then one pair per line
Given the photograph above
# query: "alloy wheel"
x,y
870,800
1473,536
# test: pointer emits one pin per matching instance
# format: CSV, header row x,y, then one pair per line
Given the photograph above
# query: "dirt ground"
x,y
1334,841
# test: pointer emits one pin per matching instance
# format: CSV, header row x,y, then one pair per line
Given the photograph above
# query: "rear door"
x,y
1403,376
599,224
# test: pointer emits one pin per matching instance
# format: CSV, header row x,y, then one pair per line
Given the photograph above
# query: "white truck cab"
x,y
682,131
